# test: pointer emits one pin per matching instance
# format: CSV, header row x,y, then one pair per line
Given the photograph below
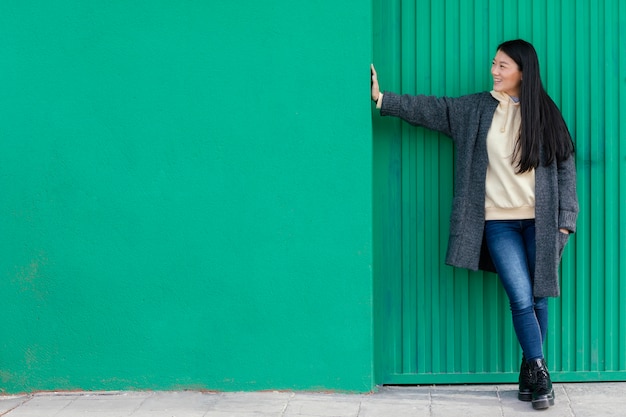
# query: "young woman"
x,y
515,200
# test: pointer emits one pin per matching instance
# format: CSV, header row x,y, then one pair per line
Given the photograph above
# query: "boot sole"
x,y
526,396
543,402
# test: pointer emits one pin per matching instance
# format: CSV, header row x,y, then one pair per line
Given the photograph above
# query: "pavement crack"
x,y
284,410
141,404
220,395
66,405
26,399
430,401
569,402
500,400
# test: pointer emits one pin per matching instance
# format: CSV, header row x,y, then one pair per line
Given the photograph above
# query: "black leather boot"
x,y
543,394
526,388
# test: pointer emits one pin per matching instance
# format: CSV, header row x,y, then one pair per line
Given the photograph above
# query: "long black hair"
x,y
542,122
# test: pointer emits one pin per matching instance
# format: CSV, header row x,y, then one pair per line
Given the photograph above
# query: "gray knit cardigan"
x,y
467,120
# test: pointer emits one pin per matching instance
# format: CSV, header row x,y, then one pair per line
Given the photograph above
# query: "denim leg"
x,y
541,304
508,242
541,311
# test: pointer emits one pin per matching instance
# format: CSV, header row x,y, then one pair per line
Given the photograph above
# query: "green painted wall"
x,y
186,195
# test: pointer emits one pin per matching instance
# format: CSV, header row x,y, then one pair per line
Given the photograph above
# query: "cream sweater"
x,y
508,196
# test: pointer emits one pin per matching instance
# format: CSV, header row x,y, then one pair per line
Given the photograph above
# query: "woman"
x,y
515,200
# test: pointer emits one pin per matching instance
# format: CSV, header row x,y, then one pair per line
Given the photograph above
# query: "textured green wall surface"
x,y
186,195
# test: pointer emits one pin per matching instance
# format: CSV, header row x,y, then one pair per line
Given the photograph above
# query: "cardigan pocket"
x,y
562,240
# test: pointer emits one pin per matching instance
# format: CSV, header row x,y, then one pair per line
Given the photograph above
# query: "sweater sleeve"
x,y
568,199
427,111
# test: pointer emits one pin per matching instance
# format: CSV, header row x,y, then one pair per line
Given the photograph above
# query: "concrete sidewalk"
x,y
572,400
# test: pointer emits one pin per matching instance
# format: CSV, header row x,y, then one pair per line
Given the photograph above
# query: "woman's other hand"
x,y
375,86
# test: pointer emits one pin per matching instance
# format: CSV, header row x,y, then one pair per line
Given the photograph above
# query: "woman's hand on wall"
x,y
375,86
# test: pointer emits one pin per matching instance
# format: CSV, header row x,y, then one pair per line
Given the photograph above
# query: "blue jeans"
x,y
511,245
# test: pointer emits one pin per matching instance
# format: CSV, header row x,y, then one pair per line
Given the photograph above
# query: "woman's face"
x,y
506,75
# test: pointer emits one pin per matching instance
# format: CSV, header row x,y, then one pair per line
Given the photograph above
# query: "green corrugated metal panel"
x,y
440,324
